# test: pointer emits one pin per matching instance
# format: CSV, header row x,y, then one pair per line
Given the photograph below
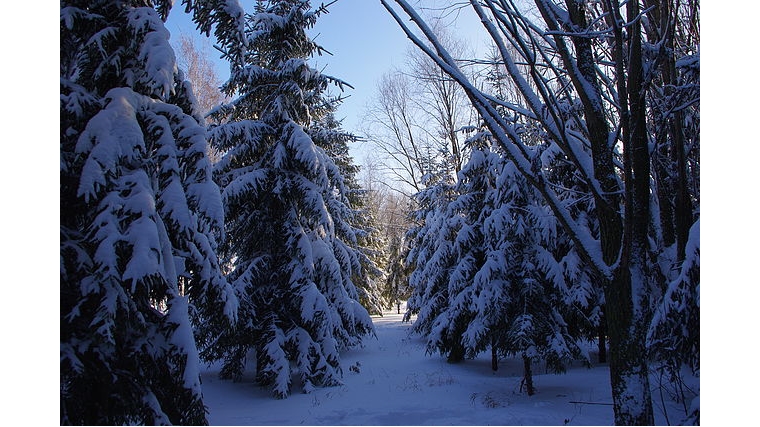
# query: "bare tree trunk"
x,y
528,376
665,192
626,308
602,342
629,372
672,180
494,357
626,324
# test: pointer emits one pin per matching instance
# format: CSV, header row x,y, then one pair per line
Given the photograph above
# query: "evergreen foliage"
x,y
487,263
140,219
291,246
327,134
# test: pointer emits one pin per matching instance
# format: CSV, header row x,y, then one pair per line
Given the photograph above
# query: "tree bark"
x,y
665,192
626,310
494,358
626,323
528,376
602,343
456,354
629,372
672,179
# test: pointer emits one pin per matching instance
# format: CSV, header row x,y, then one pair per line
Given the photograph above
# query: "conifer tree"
x,y
467,240
327,134
430,256
485,274
291,245
140,219
537,329
488,277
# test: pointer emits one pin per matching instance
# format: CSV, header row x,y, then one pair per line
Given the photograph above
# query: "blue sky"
x,y
365,43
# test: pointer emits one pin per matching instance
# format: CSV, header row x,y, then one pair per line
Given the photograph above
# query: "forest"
x,y
525,204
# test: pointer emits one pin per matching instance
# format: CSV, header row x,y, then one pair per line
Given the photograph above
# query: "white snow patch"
x,y
398,384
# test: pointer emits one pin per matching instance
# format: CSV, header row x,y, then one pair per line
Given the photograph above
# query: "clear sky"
x,y
365,43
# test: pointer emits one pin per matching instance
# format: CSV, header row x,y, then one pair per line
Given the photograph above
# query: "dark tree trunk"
x,y
684,208
528,376
456,354
494,358
677,215
665,191
602,343
629,372
678,185
621,235
625,295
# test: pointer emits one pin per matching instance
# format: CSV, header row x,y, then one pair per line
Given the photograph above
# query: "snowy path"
x,y
399,385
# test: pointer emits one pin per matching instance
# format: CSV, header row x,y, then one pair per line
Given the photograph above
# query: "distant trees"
x,y
388,213
200,72
396,132
415,120
415,123
140,222
605,82
291,247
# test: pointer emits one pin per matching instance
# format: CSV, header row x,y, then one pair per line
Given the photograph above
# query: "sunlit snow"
x,y
391,381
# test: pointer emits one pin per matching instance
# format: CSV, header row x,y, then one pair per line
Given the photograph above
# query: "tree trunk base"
x,y
527,377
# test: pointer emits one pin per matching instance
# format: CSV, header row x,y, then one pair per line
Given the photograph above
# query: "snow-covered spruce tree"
x,y
674,332
327,134
582,296
290,246
430,256
496,294
487,275
140,216
463,235
537,307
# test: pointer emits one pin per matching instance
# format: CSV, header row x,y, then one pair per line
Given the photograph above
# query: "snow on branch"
x,y
502,131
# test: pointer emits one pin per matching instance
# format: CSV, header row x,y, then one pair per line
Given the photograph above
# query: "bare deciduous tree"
x,y
416,118
441,99
202,74
193,59
396,132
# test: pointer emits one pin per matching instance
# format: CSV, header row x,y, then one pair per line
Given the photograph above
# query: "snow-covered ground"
x,y
398,384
